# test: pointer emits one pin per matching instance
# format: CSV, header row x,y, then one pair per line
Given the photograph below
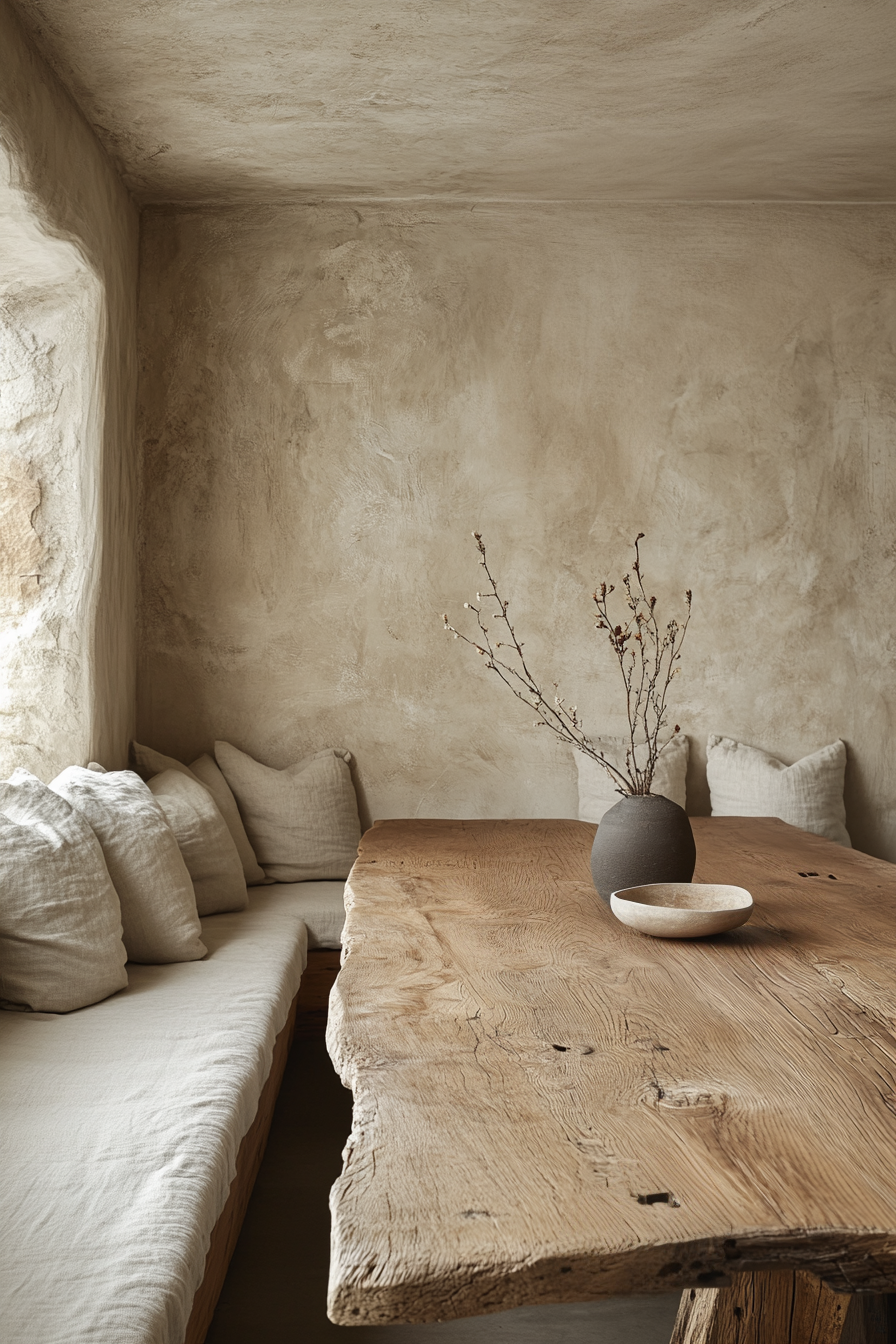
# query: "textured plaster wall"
x,y
331,399
68,281
232,102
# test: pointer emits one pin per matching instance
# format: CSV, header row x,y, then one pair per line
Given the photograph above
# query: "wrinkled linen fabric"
x,y
60,919
322,907
119,1132
747,782
205,769
302,821
205,842
158,904
597,790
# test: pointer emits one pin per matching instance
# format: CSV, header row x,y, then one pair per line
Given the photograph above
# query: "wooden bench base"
x,y
314,995
227,1229
307,1017
782,1308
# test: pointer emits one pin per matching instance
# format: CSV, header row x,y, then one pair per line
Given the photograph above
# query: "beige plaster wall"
x,y
68,283
331,400
235,102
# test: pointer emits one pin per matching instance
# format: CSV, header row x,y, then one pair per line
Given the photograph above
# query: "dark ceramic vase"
x,y
643,838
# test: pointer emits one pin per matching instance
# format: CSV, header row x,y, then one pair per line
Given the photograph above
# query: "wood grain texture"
x,y
783,1307
551,1107
765,1308
227,1229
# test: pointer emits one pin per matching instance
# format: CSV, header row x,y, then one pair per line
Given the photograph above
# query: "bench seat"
x,y
120,1129
323,910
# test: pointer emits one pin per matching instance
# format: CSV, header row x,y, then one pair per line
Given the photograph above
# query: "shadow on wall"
x,y
51,348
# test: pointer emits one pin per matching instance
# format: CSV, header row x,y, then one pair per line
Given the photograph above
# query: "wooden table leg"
x,y
781,1308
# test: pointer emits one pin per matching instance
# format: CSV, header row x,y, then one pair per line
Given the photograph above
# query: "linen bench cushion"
x,y
322,906
120,1129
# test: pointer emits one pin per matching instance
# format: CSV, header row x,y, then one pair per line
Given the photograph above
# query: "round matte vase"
x,y
643,838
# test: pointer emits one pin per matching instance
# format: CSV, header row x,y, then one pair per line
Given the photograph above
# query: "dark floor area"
x,y
276,1290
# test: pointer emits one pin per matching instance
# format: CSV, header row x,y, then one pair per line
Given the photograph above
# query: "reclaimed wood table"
x,y
551,1107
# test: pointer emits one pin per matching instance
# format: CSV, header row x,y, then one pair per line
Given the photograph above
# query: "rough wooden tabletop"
x,y
552,1107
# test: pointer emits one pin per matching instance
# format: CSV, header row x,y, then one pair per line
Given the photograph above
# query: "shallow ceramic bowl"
x,y
682,909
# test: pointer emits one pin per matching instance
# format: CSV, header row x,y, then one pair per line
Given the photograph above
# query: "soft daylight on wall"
x,y
332,398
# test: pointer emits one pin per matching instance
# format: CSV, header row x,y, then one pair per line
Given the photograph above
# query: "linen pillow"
x,y
205,842
747,782
60,921
204,769
302,821
597,791
158,907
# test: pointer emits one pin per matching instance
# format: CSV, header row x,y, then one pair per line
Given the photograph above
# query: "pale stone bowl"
x,y
682,909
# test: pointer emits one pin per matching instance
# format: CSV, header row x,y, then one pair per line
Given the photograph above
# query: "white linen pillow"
x,y
158,905
204,769
60,921
747,782
597,791
302,821
205,842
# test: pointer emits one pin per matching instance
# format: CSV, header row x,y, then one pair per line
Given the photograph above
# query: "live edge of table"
x,y
551,1107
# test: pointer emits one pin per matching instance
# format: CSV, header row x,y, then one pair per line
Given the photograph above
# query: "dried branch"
x,y
647,658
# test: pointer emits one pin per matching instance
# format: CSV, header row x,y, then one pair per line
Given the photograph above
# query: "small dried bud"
x,y
466,606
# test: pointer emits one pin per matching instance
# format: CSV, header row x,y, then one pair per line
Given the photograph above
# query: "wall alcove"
x,y
51,348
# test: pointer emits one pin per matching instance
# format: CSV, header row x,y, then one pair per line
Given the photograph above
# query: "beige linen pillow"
x,y
204,769
60,922
597,790
207,772
158,907
302,821
747,782
205,842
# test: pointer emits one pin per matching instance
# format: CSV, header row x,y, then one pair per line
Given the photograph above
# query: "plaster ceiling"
x,y
227,101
